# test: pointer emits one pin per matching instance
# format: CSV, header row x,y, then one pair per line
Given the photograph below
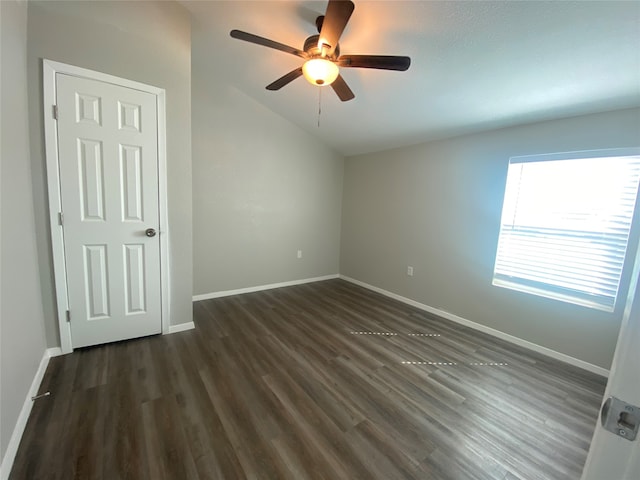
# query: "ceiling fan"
x,y
322,53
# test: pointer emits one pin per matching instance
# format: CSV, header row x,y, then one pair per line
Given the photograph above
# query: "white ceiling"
x,y
475,65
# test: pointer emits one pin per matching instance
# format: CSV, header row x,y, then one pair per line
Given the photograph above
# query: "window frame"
x,y
632,239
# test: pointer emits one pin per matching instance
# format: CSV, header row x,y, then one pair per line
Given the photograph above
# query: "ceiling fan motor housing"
x,y
311,47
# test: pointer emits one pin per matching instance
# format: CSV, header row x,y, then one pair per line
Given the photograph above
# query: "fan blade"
x,y
342,89
381,62
265,42
288,78
335,19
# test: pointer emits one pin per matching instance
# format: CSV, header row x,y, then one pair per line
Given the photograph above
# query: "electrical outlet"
x,y
410,271
299,253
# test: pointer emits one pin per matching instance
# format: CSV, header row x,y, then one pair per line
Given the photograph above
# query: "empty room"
x,y
320,240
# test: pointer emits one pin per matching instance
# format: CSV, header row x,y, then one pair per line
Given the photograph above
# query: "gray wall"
x,y
437,207
262,189
22,341
149,42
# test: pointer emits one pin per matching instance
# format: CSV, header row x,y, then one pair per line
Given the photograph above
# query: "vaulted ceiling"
x,y
476,65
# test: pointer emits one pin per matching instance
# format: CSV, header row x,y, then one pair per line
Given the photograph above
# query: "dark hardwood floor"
x,y
310,382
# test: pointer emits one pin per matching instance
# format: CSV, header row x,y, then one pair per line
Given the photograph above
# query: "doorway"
x,y
106,172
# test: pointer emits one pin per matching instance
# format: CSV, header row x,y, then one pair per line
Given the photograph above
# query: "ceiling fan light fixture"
x,y
322,53
320,71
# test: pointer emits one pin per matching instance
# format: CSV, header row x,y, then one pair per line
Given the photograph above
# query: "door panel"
x,y
135,286
96,281
108,156
90,172
131,183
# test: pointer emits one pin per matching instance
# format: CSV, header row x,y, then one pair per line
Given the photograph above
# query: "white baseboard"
x,y
181,327
227,293
54,352
21,423
482,328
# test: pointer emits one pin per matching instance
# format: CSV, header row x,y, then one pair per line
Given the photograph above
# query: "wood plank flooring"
x,y
310,382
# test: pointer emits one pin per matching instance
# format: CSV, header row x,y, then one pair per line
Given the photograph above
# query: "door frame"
x,y
49,70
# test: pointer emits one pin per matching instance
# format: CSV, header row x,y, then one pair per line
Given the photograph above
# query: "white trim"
x,y
181,327
488,330
576,155
163,205
55,206
54,352
227,293
549,293
50,68
67,69
21,422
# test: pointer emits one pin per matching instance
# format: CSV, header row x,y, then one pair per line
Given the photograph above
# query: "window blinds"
x,y
565,227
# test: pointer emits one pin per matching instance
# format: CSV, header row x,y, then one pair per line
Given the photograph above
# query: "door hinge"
x,y
55,112
68,315
60,218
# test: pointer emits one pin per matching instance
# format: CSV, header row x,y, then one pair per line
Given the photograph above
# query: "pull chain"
x,y
319,104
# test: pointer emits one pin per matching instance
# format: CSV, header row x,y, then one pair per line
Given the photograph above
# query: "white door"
x,y
612,457
108,166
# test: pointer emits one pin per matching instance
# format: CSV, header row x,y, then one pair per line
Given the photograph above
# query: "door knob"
x,y
150,232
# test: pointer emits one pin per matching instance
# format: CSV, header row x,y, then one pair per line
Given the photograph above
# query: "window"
x,y
565,225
